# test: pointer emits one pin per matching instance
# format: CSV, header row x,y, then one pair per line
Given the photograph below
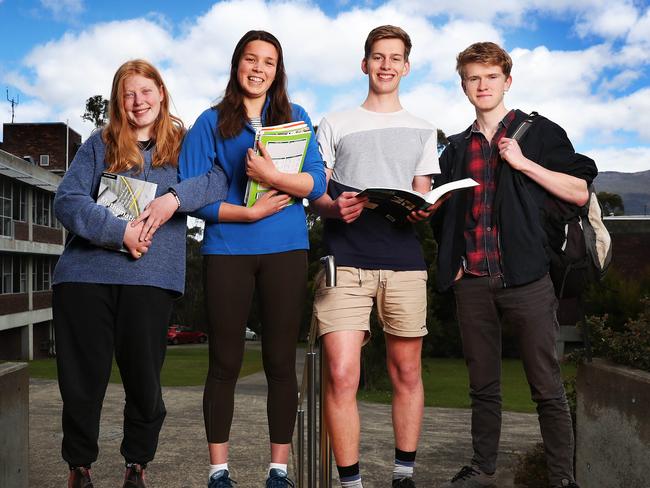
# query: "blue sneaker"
x,y
278,479
221,479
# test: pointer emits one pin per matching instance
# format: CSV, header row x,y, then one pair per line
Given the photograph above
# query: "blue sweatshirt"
x,y
93,228
203,148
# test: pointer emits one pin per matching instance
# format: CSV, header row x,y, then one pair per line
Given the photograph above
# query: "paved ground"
x,y
181,461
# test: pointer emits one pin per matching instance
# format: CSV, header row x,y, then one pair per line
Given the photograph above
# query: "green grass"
x,y
446,385
184,366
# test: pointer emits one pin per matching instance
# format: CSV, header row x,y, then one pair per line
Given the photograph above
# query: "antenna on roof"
x,y
13,102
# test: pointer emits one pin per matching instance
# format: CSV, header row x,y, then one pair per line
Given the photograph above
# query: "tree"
x,y
96,110
612,203
190,308
442,141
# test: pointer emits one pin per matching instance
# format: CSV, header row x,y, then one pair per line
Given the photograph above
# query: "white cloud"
x,y
68,71
63,9
582,90
640,32
625,160
610,21
620,81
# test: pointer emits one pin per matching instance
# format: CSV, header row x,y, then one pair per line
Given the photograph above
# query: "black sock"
x,y
348,472
405,456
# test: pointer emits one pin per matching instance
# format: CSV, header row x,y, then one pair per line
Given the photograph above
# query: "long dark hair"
x,y
232,113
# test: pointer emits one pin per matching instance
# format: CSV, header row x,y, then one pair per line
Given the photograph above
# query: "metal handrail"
x,y
308,386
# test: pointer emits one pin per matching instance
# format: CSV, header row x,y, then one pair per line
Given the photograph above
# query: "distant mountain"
x,y
634,188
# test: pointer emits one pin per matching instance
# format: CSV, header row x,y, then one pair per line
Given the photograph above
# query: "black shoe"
x,y
404,483
79,477
568,484
221,479
278,479
134,476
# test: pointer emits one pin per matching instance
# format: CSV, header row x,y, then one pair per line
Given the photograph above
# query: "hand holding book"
x,y
260,167
269,203
132,243
155,214
285,147
398,204
126,198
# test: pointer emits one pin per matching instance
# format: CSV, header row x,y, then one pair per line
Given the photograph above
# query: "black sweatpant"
x,y
91,322
281,282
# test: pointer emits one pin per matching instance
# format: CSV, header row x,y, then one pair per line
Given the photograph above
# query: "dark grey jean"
x,y
482,304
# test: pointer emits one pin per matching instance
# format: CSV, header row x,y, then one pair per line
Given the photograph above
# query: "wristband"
x,y
178,200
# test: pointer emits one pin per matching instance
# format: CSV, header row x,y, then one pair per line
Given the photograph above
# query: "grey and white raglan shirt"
x,y
373,149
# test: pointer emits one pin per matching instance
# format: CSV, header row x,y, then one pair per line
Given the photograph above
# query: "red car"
x,y
177,334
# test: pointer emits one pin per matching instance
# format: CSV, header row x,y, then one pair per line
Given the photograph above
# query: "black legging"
x,y
281,282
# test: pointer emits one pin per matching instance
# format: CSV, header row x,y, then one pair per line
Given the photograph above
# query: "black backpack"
x,y
578,244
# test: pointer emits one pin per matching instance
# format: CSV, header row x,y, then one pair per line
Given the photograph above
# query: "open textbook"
x,y
287,146
397,204
125,197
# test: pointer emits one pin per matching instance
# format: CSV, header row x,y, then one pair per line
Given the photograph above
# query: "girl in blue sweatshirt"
x,y
262,248
109,302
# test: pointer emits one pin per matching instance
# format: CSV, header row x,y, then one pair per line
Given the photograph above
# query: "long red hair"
x,y
122,150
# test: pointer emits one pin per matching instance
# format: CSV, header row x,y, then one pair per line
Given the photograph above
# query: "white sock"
x,y
352,484
282,467
402,471
216,467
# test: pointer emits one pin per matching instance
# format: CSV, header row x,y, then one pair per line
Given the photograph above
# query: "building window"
x,y
44,160
5,207
6,274
22,275
42,273
43,209
13,274
20,202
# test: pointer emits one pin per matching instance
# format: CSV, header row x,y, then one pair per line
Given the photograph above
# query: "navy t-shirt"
x,y
371,241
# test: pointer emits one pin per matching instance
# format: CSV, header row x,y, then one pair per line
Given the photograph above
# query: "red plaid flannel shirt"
x,y
482,256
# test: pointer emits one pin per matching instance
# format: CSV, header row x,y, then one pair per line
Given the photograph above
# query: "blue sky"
x,y
582,63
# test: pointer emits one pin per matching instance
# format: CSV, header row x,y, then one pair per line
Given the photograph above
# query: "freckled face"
x,y
257,68
142,99
485,85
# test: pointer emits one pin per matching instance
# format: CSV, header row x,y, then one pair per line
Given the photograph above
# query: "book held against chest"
x,y
287,146
124,196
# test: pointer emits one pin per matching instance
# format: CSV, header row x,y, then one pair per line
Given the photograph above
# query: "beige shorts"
x,y
401,298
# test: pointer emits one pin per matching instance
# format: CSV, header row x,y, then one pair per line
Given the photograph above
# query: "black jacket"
x,y
518,202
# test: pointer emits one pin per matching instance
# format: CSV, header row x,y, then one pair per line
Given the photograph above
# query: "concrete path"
x,y
181,460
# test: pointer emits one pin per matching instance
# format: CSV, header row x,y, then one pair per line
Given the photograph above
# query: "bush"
x,y
530,471
618,298
629,346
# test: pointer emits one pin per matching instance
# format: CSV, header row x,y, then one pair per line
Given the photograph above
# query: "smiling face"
x,y
385,66
485,85
142,99
256,69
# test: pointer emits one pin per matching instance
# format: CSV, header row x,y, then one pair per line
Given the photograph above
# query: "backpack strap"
x,y
523,127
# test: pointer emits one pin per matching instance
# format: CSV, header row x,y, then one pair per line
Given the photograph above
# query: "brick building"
x,y
43,144
31,240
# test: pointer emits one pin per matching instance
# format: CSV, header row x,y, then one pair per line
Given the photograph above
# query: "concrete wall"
x,y
613,426
14,425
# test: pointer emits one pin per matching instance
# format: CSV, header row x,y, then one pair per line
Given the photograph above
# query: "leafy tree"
x,y
612,203
442,141
96,110
190,308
